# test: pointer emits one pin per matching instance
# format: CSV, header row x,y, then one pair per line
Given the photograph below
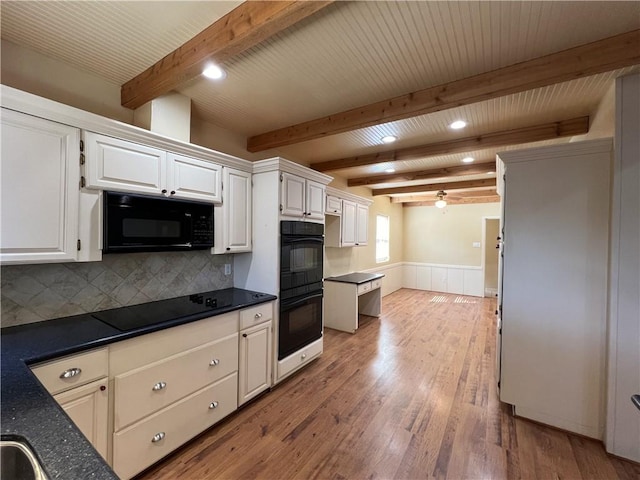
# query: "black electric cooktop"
x,y
147,314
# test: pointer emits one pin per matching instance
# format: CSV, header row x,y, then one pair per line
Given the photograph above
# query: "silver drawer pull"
x,y
303,356
159,386
214,362
213,405
72,372
157,437
258,315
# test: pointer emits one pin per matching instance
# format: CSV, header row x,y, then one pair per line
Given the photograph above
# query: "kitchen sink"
x,y
17,462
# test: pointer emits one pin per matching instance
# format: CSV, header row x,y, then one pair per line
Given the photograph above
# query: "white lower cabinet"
x,y
170,385
293,362
79,384
254,368
154,437
88,406
40,188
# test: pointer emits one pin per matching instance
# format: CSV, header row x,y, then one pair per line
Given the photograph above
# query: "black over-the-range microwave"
x,y
137,223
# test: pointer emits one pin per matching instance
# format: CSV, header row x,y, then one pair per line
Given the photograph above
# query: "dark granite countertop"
x,y
29,412
356,277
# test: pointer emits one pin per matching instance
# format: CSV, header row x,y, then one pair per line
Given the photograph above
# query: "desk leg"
x,y
341,306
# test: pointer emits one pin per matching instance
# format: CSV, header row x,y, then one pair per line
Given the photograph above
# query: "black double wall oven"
x,y
301,256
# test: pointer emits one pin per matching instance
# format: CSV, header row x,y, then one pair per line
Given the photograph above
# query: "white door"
x,y
193,179
362,227
292,195
254,370
315,201
113,164
348,223
237,207
87,406
40,190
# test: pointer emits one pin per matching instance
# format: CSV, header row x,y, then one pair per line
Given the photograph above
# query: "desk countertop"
x,y
355,277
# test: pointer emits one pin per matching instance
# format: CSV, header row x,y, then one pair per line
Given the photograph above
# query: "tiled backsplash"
x,y
31,293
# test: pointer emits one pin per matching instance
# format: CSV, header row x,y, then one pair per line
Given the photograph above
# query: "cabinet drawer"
x,y
293,362
334,205
365,287
134,448
256,315
376,284
73,371
150,388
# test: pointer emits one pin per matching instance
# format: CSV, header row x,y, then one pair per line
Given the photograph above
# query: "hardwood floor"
x,y
410,396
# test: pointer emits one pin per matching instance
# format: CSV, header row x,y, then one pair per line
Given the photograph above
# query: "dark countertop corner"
x,y
30,414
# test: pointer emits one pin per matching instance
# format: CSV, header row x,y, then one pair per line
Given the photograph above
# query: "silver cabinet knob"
x,y
157,437
159,386
214,362
258,315
303,356
72,372
213,405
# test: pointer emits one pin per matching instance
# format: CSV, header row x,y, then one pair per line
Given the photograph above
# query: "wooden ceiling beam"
x,y
589,59
488,192
455,171
461,201
536,133
434,187
244,27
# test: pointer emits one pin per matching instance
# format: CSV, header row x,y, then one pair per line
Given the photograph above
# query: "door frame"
x,y
484,246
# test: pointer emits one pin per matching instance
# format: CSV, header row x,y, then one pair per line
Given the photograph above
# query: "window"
x,y
382,238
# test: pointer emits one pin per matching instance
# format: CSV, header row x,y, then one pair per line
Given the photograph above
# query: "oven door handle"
x,y
288,304
305,239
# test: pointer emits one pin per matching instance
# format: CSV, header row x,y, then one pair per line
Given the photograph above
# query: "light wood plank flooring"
x,y
410,396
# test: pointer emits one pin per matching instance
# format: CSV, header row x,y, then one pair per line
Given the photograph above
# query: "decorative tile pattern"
x,y
31,293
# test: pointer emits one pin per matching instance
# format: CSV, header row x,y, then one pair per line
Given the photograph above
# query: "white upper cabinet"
x,y
348,237
315,200
347,224
292,195
193,179
40,190
362,225
115,164
301,198
233,216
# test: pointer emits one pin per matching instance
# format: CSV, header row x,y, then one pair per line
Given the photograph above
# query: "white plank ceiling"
x,y
349,54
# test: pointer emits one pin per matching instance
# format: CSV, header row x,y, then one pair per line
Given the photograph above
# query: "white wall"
x,y
35,73
623,419
446,236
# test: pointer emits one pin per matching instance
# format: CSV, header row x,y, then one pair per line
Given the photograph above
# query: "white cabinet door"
x,y
292,195
315,194
362,225
193,179
233,217
254,368
113,164
349,225
40,190
87,406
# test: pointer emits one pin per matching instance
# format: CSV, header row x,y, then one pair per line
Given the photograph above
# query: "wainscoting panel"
x,y
393,277
458,279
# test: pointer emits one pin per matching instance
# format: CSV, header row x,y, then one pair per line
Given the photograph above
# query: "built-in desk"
x,y
347,296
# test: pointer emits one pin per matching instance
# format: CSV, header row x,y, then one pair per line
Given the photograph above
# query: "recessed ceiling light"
x,y
468,159
458,124
390,170
389,139
214,72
